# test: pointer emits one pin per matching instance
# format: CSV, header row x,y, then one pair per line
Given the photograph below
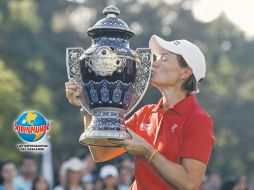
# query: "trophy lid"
x,y
111,25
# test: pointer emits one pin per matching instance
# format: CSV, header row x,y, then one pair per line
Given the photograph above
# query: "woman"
x,y
171,141
70,175
8,171
74,171
235,183
40,183
110,177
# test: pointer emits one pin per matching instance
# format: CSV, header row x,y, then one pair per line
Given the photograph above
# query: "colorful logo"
x,y
31,126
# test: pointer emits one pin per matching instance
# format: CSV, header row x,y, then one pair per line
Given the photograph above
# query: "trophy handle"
x,y
72,63
73,70
143,76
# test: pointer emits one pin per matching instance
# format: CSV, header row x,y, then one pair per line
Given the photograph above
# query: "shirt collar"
x,y
158,106
181,107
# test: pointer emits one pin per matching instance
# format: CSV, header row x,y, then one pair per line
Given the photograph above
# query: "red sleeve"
x,y
132,121
198,139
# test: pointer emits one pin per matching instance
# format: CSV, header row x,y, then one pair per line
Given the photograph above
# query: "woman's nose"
x,y
156,63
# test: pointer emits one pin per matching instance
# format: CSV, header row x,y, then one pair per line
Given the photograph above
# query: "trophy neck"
x,y
109,112
113,42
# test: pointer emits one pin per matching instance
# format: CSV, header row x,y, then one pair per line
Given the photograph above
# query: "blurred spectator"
x,y
127,163
251,181
28,171
205,183
88,178
88,186
126,174
229,183
8,172
40,183
235,183
98,185
243,183
214,181
72,171
109,176
61,176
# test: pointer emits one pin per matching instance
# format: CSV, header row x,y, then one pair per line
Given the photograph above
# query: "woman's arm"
x,y
185,176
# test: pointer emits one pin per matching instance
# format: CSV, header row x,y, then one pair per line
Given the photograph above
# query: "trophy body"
x,y
113,77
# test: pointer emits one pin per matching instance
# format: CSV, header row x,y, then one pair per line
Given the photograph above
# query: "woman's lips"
x,y
153,68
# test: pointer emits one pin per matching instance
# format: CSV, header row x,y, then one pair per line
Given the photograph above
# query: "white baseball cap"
x,y
108,170
189,51
74,164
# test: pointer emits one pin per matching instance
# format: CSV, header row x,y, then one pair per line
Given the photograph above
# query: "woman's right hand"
x,y
73,91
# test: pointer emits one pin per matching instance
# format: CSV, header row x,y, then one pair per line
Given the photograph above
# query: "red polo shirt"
x,y
185,130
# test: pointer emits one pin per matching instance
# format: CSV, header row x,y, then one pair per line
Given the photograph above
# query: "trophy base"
x,y
99,141
105,125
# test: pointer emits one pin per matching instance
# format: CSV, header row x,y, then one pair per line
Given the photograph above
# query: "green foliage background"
x,y
33,38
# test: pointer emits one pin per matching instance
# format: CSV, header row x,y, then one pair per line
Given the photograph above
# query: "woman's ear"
x,y
186,73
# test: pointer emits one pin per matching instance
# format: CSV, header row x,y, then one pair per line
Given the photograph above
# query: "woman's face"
x,y
41,184
166,71
74,177
9,171
242,184
110,181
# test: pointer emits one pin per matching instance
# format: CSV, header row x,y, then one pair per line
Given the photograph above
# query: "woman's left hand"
x,y
136,145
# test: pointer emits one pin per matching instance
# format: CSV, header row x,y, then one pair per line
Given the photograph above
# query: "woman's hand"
x,y
73,91
136,145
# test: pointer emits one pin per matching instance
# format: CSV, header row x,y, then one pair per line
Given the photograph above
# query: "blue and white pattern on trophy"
x,y
113,76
